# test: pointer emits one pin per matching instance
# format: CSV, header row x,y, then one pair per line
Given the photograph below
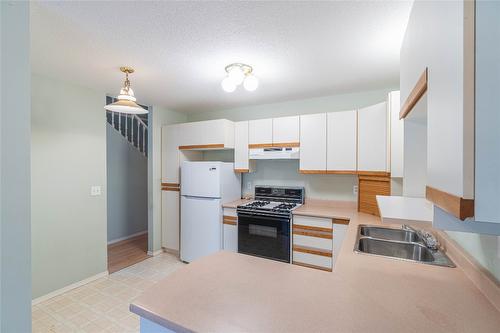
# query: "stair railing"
x,y
131,127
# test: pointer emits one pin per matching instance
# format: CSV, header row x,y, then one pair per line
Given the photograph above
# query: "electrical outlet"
x,y
95,190
249,186
355,189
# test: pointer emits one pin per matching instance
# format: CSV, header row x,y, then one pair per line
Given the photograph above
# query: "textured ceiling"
x,y
179,49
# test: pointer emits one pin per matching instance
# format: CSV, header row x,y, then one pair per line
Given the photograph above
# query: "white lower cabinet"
x,y
317,241
312,242
230,230
170,223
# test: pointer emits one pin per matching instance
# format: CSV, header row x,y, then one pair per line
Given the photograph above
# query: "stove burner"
x,y
285,206
256,204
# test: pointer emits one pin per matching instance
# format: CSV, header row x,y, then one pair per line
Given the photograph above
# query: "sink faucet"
x,y
427,238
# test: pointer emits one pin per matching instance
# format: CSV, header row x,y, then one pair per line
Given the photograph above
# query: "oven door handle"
x,y
263,217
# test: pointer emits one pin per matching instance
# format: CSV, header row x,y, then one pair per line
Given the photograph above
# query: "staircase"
x,y
132,127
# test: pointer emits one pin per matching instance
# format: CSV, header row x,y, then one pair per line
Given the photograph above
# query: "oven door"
x,y
264,236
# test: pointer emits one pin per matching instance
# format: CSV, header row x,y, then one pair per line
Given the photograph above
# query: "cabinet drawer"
x,y
314,242
312,261
230,212
317,222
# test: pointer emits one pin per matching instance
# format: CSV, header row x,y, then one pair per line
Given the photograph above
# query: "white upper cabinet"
x,y
170,154
260,132
241,162
286,130
313,143
397,134
210,134
372,138
341,141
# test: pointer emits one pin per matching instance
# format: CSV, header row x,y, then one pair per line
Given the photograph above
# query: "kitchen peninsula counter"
x,y
230,292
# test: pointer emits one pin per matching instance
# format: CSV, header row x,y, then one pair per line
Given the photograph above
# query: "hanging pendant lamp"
x,y
126,100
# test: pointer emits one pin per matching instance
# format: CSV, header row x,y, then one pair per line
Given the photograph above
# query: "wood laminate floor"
x,y
127,253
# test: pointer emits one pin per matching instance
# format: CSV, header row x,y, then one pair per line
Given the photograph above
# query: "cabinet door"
x,y
170,219
231,237
260,132
241,163
372,138
286,131
341,143
397,135
169,154
313,143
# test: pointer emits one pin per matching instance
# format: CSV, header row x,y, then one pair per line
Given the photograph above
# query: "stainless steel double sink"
x,y
398,243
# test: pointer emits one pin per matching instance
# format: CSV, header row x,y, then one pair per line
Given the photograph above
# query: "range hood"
x,y
274,153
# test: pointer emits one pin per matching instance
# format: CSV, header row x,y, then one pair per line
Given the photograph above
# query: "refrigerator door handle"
x,y
200,198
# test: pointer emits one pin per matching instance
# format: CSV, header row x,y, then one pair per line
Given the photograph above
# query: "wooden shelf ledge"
x,y
416,93
457,206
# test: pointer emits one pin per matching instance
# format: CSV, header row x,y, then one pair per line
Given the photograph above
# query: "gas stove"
x,y
274,200
264,225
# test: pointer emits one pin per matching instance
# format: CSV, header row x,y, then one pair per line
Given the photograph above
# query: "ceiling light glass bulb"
x,y
236,75
251,83
228,85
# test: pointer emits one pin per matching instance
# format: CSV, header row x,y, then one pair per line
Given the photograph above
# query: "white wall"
x,y
68,157
15,264
285,173
331,187
158,117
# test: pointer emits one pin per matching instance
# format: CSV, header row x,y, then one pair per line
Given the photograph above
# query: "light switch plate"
x,y
249,186
95,190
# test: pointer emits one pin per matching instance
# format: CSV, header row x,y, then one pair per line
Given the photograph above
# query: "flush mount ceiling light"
x,y
126,100
237,74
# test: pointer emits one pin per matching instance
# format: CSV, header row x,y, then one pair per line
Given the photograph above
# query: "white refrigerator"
x,y
205,186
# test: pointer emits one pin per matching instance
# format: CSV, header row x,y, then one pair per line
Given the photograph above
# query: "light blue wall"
x,y
68,158
328,187
15,247
127,194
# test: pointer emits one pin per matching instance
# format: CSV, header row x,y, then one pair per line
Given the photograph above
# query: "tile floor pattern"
x,y
103,305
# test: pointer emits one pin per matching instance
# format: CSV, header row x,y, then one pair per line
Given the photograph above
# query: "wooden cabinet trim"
x,y
260,145
209,146
312,250
374,173
457,206
309,233
175,189
170,184
311,172
341,172
241,170
416,93
286,144
298,263
340,221
311,228
231,220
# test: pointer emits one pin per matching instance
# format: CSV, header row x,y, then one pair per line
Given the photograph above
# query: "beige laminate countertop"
x,y
230,292
236,203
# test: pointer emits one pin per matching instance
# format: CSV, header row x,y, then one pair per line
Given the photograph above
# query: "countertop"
x,y
230,292
236,203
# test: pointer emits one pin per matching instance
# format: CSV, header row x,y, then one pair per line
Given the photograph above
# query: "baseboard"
x,y
140,233
155,253
68,288
171,251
